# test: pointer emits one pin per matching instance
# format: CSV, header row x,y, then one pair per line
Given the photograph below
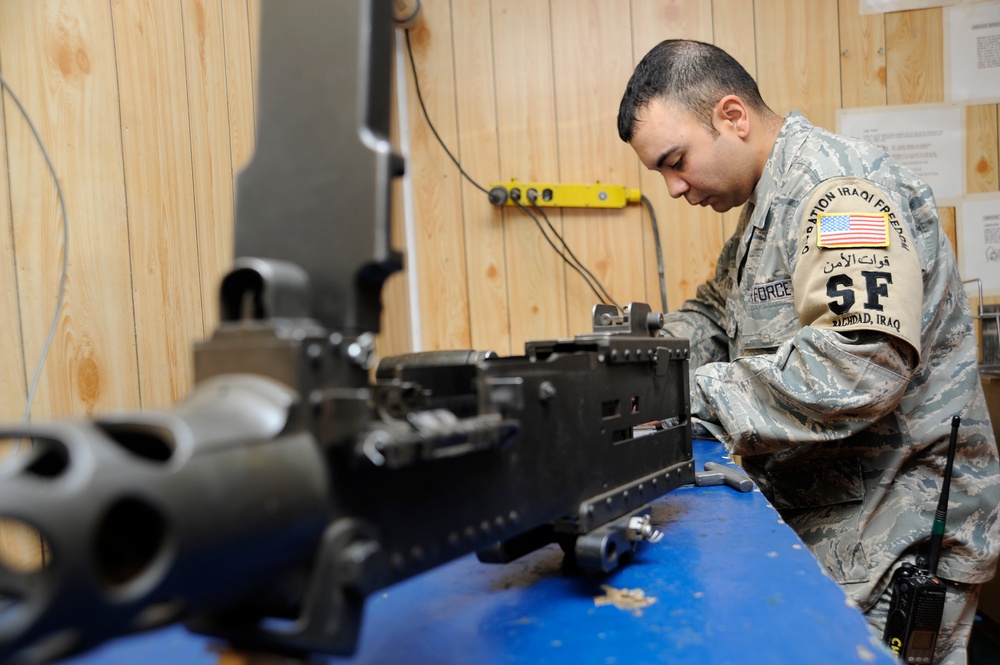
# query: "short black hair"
x,y
694,75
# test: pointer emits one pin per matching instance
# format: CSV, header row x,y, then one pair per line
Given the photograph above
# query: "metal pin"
x,y
640,526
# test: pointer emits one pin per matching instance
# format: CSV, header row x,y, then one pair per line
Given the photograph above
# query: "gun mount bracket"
x,y
608,505
602,549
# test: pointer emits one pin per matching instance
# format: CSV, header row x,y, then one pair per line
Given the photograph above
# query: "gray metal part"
x,y
636,319
319,173
603,507
602,548
258,288
719,474
161,504
990,335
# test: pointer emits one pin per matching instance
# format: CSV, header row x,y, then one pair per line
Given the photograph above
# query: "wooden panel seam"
x,y
194,198
125,198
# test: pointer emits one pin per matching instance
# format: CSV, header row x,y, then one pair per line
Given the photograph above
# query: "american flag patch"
x,y
851,229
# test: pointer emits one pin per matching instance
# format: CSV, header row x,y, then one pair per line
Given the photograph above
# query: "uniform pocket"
x,y
817,485
766,326
822,502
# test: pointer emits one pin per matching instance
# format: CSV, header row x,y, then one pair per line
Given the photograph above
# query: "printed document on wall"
x,y
972,52
979,240
928,138
884,6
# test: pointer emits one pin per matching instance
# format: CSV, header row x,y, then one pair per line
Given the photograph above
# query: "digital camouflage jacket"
x,y
832,348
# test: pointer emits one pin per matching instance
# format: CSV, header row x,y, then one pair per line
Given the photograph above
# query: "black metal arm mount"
x,y
287,486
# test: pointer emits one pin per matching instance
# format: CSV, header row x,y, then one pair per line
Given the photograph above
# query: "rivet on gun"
x,y
453,539
514,517
614,354
499,521
315,352
417,553
470,533
484,526
546,391
373,444
625,496
397,561
609,502
316,400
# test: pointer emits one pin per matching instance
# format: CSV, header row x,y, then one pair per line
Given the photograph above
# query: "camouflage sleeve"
x,y
819,386
701,320
698,321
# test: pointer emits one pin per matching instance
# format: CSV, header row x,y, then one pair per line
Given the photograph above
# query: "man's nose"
x,y
676,186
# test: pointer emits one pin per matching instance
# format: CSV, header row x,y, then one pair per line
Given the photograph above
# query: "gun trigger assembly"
x,y
721,474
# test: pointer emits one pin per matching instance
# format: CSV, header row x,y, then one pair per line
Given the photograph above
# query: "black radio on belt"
x,y
911,629
918,596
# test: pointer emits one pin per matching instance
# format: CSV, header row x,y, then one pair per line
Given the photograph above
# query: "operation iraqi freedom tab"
x,y
857,268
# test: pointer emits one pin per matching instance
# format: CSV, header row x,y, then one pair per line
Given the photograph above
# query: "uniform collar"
x,y
794,131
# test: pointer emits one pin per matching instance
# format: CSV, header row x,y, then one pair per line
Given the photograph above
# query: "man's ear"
x,y
731,113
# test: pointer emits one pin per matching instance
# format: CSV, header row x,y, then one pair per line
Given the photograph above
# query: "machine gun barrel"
x,y
152,517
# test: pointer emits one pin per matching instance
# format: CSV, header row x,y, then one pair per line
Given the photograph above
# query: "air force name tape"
x,y
857,267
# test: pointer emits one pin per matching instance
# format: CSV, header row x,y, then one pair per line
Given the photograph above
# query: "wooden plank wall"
x,y
146,108
529,89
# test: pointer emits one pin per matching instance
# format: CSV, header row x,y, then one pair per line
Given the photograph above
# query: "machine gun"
x,y
287,487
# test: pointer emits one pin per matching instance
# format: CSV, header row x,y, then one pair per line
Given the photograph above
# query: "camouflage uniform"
x,y
833,364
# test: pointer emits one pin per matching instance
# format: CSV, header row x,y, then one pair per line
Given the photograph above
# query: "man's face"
x,y
706,169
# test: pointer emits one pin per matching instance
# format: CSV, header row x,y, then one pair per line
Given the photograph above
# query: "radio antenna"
x,y
937,531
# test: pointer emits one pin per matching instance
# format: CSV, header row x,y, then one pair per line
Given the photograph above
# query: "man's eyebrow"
x,y
665,155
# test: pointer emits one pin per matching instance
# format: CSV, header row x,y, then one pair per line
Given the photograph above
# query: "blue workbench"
x,y
729,583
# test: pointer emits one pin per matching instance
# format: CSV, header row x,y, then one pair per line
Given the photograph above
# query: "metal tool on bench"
x,y
721,474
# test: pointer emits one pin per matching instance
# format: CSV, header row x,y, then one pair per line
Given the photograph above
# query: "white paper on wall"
x,y
928,138
972,53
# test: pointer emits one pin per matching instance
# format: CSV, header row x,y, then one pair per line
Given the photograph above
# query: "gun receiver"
x,y
287,487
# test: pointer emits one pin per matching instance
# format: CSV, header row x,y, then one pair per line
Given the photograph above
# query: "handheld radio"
x,y
918,596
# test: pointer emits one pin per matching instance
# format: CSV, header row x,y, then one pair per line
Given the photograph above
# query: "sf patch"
x,y
857,268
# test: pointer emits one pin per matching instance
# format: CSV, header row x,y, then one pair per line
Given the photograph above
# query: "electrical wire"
x,y
555,248
659,252
420,98
578,261
33,388
423,108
